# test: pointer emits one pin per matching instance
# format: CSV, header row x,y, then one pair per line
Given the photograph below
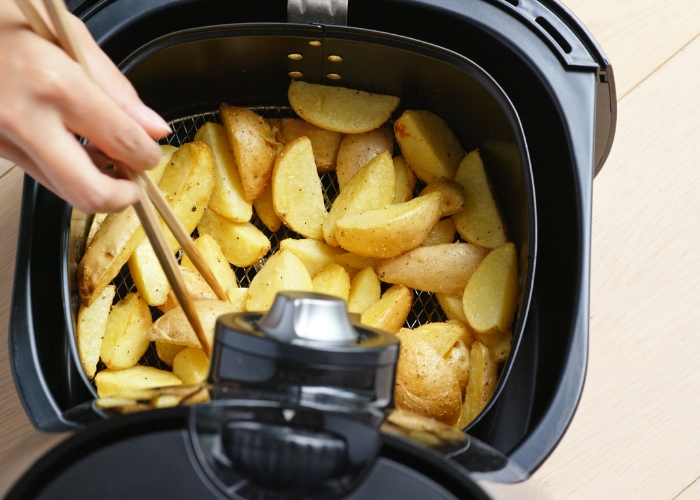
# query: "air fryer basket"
x,y
550,68
194,71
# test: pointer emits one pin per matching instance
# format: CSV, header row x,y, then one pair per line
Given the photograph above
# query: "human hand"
x,y
46,99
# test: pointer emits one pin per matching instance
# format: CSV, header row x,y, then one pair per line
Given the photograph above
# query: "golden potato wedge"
x,y
498,343
174,328
443,232
452,192
297,193
480,220
365,290
444,268
428,145
483,377
356,150
458,357
126,333
90,329
282,271
340,109
389,231
490,296
411,421
314,254
372,188
156,173
325,143
242,243
405,180
113,382
466,333
237,297
167,351
389,313
191,365
148,275
332,280
196,286
266,209
215,259
97,221
425,382
114,242
254,147
349,259
228,198
441,336
451,305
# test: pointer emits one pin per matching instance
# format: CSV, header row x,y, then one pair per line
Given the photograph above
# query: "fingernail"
x,y
155,120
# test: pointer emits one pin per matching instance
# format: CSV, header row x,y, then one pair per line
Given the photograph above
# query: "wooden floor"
x,y
636,433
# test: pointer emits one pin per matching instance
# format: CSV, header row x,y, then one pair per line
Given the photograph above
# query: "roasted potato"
x,y
480,220
498,343
113,382
356,150
443,232
90,329
266,209
365,290
282,271
483,377
389,313
297,194
451,305
372,188
191,365
490,296
332,280
126,333
242,243
442,268
389,231
441,336
405,180
228,198
325,143
428,145
350,260
452,192
215,259
314,254
254,147
340,109
196,286
166,351
458,357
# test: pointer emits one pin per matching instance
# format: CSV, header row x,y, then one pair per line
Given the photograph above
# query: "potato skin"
x,y
356,150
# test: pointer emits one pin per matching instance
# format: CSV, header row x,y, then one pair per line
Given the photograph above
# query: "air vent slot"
x,y
561,41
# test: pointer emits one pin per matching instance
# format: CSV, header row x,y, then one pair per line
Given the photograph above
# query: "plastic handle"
x,y
318,12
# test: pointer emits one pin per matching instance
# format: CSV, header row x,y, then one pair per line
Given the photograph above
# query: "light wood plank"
x,y
638,35
14,423
636,433
692,492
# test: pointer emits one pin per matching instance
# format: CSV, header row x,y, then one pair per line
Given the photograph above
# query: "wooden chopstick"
x,y
66,39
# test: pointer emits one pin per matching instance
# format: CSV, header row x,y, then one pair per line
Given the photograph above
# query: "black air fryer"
x,y
522,80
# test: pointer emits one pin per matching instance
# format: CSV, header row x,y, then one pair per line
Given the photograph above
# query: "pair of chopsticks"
x,y
65,38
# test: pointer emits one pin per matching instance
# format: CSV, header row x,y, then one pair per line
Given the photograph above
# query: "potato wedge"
x,y
126,333
173,327
282,271
237,297
191,365
332,280
297,193
340,109
114,242
466,335
215,259
148,275
428,145
349,259
490,296
458,357
441,336
325,143
266,209
113,382
405,180
389,313
97,221
443,232
480,221
242,243
389,231
167,351
452,192
372,188
356,150
451,305
425,382
228,198
254,147
483,378
156,173
90,329
196,286
365,290
498,343
444,268
314,254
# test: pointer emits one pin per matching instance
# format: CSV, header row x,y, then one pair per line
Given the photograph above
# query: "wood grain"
x,y
638,35
636,433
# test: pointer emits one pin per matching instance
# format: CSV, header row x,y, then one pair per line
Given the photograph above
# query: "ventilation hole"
x,y
514,3
565,46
